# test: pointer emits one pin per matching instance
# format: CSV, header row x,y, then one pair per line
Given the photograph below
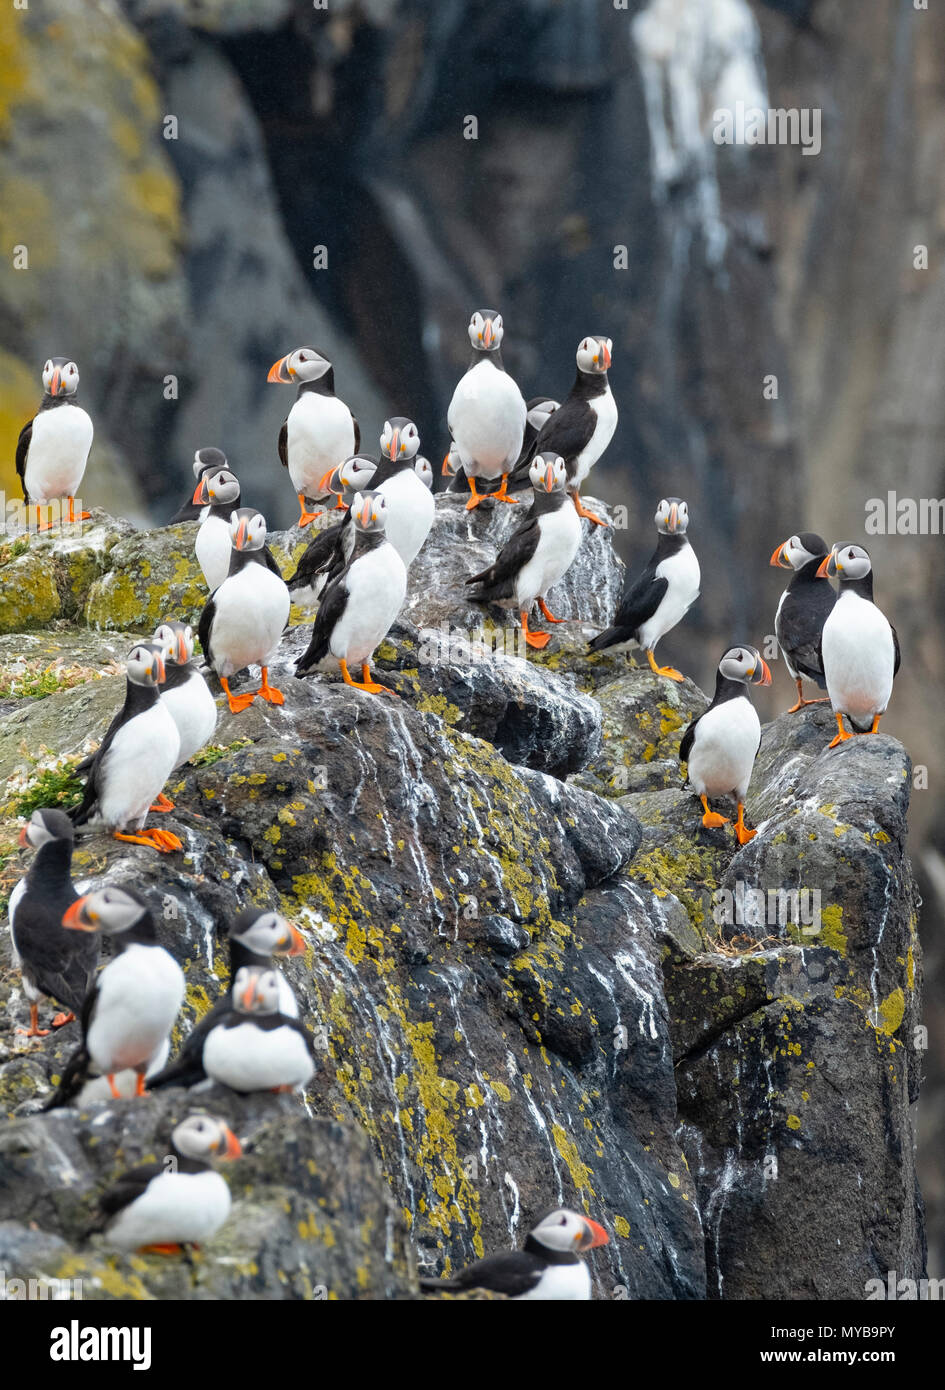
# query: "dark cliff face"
x,y
518,986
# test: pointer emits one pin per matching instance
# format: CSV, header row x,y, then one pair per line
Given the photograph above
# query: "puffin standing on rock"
x,y
53,448
329,551
245,617
52,961
186,695
548,1268
410,507
135,758
859,645
319,431
720,745
218,494
652,605
487,414
254,1047
205,461
539,553
803,609
584,425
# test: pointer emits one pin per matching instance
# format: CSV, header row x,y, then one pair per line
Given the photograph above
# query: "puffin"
x,y
243,620
549,1267
537,411
538,553
360,606
185,693
652,605
424,471
858,645
254,1047
205,461
52,962
129,1013
135,758
410,507
158,1208
319,431
255,936
219,495
329,550
803,609
53,447
486,415
584,425
720,745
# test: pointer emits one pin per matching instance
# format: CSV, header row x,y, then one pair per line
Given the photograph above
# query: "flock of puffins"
x,y
356,572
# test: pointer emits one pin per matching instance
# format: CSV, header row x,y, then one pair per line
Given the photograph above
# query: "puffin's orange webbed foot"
x,y
538,640
547,612
61,1019
582,511
269,692
161,840
712,820
742,833
160,1249
34,1030
841,736
305,517
162,804
501,494
669,672
237,702
475,497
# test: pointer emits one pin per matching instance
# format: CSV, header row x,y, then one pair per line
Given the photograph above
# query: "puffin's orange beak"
x,y
598,1235
673,516
73,920
822,567
765,673
549,478
446,470
181,650
298,941
239,540
488,333
161,669
281,371
777,559
55,386
23,838
249,994
234,1148
325,484
394,445
199,494
605,353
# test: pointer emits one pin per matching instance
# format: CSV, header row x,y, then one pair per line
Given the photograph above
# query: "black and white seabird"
x,y
162,1206
859,645
549,1267
720,746
802,611
410,508
359,608
256,936
655,602
205,461
319,431
424,471
487,414
219,495
581,428
128,1015
254,1047
244,619
330,549
135,758
53,448
538,553
185,694
537,412
52,961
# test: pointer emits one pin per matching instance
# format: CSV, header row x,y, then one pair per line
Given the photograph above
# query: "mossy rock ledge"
x,y
520,988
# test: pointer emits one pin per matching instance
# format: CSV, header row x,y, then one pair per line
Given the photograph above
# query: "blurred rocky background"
x,y
170,167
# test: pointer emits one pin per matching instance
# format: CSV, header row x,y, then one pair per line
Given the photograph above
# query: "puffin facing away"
x,y
205,461
254,1047
802,611
581,428
859,645
539,553
720,746
549,1267
319,431
53,448
160,1207
486,416
652,605
52,961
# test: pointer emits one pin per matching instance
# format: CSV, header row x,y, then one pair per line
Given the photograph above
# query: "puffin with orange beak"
x,y
256,937
582,427
178,1200
254,1047
135,758
53,962
244,619
550,1266
538,554
803,609
330,549
185,694
487,415
720,745
859,646
53,448
654,603
205,461
217,494
319,431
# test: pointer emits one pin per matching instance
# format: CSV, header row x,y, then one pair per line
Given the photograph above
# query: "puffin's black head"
x,y
672,517
44,826
217,487
267,933
208,461
548,472
176,640
486,330
538,411
60,377
204,1137
256,990
145,664
798,551
566,1231
247,529
112,910
745,664
304,364
848,562
400,438
594,355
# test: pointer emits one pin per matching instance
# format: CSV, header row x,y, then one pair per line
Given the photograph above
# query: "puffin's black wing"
x,y
640,601
319,556
271,562
898,656
329,612
187,1067
61,962
512,1273
567,430
498,580
22,449
284,443
129,1187
688,738
81,813
357,433
204,626
799,625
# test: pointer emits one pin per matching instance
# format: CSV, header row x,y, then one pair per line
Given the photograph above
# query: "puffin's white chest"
x,y
58,452
682,574
139,995
213,549
859,657
194,712
410,512
561,1283
487,421
252,608
248,1058
174,1209
377,587
139,760
559,538
604,410
724,748
319,435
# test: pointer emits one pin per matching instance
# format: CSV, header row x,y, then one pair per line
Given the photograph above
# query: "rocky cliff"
x,y
532,975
